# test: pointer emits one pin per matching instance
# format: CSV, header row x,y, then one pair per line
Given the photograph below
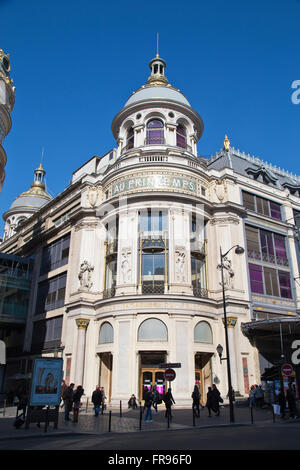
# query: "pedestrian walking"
x,y
216,400
252,397
259,396
148,404
209,401
291,399
97,400
196,395
76,402
169,400
281,401
68,400
155,398
103,400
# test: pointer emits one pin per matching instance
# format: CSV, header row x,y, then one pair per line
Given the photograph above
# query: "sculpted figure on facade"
x,y
126,265
85,275
180,265
227,272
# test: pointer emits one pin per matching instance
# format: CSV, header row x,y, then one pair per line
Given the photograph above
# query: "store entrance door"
x,y
203,373
151,377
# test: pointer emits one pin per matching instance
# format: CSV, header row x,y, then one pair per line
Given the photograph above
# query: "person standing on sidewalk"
x,y
216,400
169,400
97,400
76,402
148,404
209,401
252,397
68,400
291,399
281,401
155,398
196,401
103,399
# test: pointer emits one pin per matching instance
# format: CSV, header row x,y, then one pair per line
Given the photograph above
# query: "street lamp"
x,y
238,250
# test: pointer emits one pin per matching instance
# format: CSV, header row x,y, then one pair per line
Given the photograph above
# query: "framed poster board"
x,y
46,381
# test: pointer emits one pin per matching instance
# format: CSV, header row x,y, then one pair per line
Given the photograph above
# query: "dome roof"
x,y
157,93
36,196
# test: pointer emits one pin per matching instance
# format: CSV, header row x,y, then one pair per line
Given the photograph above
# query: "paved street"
x,y
92,433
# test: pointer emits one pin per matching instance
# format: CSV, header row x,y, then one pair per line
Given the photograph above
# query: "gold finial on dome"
x,y
226,143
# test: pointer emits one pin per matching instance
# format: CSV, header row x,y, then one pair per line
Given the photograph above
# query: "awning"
x,y
274,337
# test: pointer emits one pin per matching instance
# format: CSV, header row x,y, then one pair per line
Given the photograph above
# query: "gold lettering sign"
x,y
148,182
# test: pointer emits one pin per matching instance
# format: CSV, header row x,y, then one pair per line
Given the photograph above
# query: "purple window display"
x,y
181,136
285,284
275,210
256,279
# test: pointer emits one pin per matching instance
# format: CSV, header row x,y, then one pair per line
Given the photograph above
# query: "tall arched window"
x,y
130,138
106,333
155,132
181,136
203,333
153,330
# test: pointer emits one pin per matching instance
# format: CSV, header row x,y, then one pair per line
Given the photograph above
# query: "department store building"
x,y
126,272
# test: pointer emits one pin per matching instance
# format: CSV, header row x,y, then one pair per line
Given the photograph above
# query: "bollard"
x,y
168,419
4,408
87,405
194,424
109,422
251,409
120,408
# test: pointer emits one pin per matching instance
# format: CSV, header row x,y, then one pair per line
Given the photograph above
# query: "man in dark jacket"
x,y
68,400
291,399
97,400
196,401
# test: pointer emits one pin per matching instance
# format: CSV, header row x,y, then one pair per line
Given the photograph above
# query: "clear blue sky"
x,y
75,63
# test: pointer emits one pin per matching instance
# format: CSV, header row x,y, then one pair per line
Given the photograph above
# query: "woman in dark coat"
x,y
76,402
216,399
209,401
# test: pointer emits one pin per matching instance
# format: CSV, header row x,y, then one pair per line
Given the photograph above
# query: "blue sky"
x,y
75,64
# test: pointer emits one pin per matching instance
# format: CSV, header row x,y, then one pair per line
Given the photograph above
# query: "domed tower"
x,y
27,203
157,116
7,100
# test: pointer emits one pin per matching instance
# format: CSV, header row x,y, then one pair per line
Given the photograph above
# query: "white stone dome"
x,y
157,93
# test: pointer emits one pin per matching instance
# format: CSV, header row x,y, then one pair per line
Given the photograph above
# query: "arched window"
x,y
130,138
106,333
203,333
155,132
153,330
181,136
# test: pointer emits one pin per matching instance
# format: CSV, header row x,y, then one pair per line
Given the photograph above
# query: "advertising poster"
x,y
46,382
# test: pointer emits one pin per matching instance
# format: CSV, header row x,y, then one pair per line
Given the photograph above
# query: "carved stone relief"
x,y
85,275
126,265
180,262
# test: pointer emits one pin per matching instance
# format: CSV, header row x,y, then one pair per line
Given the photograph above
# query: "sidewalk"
x,y
130,422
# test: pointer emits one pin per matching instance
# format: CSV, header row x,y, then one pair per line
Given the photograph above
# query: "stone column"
x,y
231,322
82,324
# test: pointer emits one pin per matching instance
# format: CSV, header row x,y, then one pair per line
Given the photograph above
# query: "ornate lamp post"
x,y
238,250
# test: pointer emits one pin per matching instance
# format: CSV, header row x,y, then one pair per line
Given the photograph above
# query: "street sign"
x,y
287,370
170,365
170,375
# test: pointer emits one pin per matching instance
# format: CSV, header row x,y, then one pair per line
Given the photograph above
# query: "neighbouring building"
x,y
126,260
7,100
